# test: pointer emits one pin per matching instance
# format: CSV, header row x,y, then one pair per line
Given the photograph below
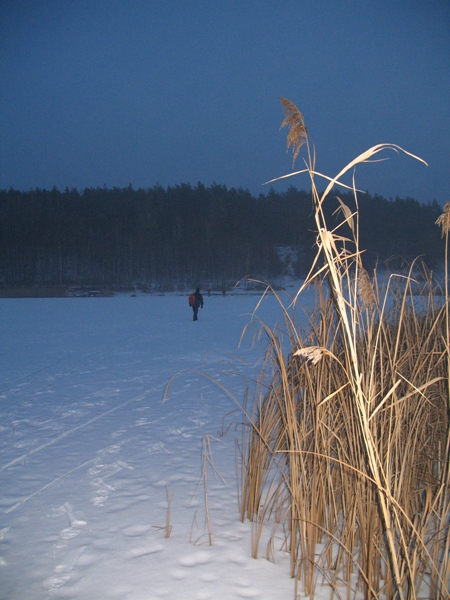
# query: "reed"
x,y
167,527
346,445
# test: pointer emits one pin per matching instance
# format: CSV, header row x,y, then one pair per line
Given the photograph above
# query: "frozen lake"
x,y
89,451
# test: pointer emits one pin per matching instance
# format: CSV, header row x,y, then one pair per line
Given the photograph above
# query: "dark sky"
x,y
112,92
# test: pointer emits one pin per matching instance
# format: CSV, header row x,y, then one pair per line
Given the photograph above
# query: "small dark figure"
x,y
196,301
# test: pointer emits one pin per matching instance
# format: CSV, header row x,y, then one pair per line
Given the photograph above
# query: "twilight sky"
x,y
112,92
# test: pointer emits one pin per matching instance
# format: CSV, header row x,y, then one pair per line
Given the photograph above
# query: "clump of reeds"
x,y
346,447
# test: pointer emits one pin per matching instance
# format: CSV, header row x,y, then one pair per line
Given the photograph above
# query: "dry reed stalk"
x,y
207,459
349,437
167,527
444,222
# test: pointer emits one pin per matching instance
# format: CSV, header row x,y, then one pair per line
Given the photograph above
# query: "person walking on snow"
x,y
196,301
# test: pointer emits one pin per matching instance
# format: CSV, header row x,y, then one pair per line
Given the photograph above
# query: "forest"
x,y
188,235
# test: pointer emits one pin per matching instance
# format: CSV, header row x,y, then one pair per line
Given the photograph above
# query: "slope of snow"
x,y
94,465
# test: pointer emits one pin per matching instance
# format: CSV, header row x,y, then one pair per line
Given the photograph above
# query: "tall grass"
x,y
346,447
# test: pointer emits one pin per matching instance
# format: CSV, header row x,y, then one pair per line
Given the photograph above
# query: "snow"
x,y
91,452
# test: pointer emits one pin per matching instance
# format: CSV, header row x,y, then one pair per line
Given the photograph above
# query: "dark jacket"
x,y
198,299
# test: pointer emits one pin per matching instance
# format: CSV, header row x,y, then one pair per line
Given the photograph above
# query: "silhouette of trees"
x,y
184,234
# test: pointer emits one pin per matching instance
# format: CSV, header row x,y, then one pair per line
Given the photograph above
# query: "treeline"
x,y
183,234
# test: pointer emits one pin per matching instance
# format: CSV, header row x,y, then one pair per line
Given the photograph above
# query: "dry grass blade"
x,y
366,157
298,134
349,216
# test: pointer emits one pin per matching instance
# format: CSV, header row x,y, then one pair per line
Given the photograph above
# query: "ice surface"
x,y
89,451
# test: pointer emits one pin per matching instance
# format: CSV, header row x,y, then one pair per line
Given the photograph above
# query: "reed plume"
x,y
444,220
298,134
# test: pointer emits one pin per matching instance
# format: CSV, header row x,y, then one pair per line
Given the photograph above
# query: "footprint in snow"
x,y
62,573
101,472
74,524
180,432
55,582
157,447
69,533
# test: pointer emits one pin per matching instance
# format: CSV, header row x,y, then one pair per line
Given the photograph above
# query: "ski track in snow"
x,y
89,451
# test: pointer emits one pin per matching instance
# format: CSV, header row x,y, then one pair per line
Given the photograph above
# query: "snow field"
x,y
89,451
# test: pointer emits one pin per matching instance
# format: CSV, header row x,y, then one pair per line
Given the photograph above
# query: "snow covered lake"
x,y
90,452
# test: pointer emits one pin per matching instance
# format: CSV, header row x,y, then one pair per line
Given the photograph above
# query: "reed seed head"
x,y
444,220
365,289
298,134
311,353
